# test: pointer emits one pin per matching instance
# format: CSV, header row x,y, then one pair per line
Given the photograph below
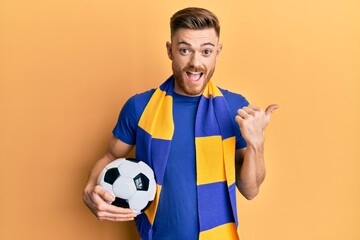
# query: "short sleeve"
x,y
129,117
125,128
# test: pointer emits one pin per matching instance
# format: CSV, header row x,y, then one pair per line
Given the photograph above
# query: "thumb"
x,y
271,108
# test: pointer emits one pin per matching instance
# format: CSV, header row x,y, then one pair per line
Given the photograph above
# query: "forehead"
x,y
195,36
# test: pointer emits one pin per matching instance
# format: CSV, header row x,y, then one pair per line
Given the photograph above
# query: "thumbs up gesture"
x,y
252,121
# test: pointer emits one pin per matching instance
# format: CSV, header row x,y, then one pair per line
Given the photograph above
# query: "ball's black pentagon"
x,y
147,206
133,160
111,175
119,202
141,182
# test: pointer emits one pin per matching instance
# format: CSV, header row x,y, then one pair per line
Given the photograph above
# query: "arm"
x,y
95,197
249,161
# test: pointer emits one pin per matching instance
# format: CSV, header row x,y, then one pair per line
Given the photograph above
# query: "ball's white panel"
x,y
101,176
124,187
138,201
115,163
129,169
152,190
146,170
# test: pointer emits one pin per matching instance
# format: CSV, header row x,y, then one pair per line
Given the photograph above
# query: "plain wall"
x,y
68,66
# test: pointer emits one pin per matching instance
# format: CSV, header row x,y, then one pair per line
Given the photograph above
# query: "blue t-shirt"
x,y
177,216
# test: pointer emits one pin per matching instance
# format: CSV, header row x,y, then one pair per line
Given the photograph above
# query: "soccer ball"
x,y
131,182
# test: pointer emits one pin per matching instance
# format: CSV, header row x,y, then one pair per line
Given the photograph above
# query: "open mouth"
x,y
194,76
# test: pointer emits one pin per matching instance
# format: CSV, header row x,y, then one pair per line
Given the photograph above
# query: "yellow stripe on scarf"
x,y
226,231
209,160
211,89
151,211
158,108
229,159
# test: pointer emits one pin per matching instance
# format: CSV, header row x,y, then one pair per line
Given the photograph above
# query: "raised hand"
x,y
252,121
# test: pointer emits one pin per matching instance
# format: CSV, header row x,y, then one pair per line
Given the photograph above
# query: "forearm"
x,y
251,172
117,149
96,169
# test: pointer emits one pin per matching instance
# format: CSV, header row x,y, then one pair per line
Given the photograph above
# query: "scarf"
x,y
215,159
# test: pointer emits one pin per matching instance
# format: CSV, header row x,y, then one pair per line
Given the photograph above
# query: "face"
x,y
193,54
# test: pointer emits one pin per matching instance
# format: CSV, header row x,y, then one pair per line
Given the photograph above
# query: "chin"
x,y
190,85
193,90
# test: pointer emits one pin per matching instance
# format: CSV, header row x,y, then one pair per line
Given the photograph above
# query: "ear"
x,y
218,50
169,50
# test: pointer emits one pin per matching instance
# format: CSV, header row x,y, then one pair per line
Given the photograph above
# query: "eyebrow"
x,y
202,45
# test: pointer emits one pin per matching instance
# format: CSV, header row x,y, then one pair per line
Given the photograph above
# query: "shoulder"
x,y
234,100
138,101
125,128
135,105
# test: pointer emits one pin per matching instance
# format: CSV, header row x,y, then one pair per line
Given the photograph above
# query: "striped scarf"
x,y
215,159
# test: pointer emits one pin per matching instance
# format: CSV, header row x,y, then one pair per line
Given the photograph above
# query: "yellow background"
x,y
68,66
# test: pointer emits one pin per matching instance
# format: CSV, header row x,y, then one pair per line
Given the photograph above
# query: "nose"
x,y
194,60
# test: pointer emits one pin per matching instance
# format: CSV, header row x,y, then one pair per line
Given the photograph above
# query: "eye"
x,y
185,51
207,52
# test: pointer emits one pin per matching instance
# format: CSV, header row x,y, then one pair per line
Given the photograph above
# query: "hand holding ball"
x,y
131,182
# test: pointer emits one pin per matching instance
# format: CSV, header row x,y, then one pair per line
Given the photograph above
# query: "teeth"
x,y
194,76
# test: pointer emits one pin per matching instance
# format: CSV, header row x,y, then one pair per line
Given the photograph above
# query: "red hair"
x,y
194,18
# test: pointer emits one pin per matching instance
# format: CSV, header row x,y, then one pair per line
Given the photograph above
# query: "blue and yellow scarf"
x,y
215,159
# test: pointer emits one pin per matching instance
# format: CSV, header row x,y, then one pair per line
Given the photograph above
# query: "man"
x,y
201,141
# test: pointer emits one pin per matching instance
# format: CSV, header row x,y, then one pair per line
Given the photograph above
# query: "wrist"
x,y
256,146
90,184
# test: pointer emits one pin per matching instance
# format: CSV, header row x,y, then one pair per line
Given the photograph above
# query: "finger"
x,y
103,206
105,195
249,110
119,210
256,108
115,217
239,120
243,114
108,197
271,108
